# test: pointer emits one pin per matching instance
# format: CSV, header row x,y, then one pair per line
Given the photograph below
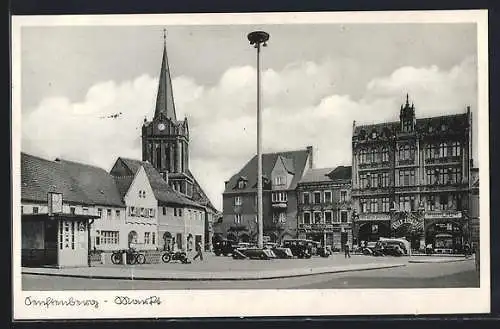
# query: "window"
x,y
455,149
328,217
282,217
406,152
385,154
373,205
343,216
343,196
317,217
131,211
180,211
307,218
362,156
72,210
407,125
237,218
406,177
108,212
431,202
237,201
374,180
147,238
153,238
109,237
455,175
99,212
279,180
374,155
151,212
405,203
143,212
305,198
384,179
317,197
241,184
364,205
35,210
443,201
443,150
328,196
385,205
117,214
164,210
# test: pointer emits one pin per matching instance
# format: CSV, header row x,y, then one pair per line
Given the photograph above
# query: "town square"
x,y
223,157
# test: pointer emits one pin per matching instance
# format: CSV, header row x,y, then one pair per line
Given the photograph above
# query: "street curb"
x,y
176,278
437,261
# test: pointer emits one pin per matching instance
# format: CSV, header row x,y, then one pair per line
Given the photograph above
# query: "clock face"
x,y
161,126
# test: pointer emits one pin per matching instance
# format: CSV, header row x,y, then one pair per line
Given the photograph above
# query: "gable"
x,y
121,169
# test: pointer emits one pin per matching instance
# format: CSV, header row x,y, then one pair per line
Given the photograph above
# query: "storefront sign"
x,y
443,214
373,217
317,227
414,221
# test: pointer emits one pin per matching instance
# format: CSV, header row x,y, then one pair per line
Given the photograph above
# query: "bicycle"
x,y
132,257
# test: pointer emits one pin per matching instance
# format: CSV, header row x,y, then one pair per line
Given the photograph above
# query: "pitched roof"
x,y
199,195
340,173
123,184
163,192
457,122
297,158
316,175
97,184
40,176
165,97
288,164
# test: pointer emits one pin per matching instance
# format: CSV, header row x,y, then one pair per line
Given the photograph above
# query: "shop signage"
x,y
55,203
443,214
317,227
414,221
370,217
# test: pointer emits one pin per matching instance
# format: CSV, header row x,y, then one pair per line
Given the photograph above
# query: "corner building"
x,y
410,178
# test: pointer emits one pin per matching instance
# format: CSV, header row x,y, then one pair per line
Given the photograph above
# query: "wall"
x,y
144,224
72,252
181,220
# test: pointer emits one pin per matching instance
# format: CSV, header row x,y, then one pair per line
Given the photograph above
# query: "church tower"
x,y
165,140
407,117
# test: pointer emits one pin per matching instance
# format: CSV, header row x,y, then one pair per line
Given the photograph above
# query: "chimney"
x,y
310,153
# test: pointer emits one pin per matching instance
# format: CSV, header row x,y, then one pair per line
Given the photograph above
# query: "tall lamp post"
x,y
258,39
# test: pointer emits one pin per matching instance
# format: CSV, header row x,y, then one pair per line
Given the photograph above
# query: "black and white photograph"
x,y
291,164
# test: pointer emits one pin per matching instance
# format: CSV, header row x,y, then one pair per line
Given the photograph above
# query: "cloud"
x,y
302,105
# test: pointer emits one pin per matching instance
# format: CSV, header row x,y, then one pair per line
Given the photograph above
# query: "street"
x,y
413,275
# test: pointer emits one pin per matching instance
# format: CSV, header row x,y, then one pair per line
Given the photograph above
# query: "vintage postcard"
x,y
281,164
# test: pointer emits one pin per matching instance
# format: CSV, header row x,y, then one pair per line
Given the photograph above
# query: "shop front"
x,y
59,240
409,226
445,231
330,235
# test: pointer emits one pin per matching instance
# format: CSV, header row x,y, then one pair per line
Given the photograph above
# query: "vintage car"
x,y
223,247
299,247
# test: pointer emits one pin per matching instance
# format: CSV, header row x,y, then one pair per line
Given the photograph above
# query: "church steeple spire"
x,y
165,97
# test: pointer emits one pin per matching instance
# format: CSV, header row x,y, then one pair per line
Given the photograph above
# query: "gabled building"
x,y
281,173
324,206
410,178
165,145
154,207
60,210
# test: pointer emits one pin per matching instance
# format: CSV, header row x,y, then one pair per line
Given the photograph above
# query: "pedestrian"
x,y
199,252
347,251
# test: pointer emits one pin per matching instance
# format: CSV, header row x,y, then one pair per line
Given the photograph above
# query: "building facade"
x,y
410,178
324,207
281,173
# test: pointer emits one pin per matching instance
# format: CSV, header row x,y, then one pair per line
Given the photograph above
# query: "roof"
x,y
454,121
296,160
199,195
123,184
165,97
40,176
163,192
97,184
320,175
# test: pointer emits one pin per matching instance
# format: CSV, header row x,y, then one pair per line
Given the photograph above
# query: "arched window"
x,y
443,150
374,155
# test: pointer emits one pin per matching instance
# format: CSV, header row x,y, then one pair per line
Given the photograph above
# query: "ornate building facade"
x,y
324,206
410,178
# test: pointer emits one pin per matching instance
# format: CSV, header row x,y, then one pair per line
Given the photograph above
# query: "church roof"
x,y
79,183
165,97
296,160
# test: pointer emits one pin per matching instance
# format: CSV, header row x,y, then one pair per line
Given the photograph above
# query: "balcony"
x,y
279,204
444,161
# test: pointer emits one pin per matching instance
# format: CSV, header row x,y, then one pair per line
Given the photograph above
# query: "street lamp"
x,y
258,38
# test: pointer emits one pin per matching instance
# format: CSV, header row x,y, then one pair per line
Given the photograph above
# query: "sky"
x,y
316,80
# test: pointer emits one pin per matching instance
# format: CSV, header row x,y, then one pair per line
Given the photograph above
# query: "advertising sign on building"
x,y
443,214
55,203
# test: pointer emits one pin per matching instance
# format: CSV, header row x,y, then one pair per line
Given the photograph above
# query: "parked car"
x,y
392,249
223,247
373,249
300,248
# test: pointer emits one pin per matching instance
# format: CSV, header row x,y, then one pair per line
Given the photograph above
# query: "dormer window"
x,y
241,184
